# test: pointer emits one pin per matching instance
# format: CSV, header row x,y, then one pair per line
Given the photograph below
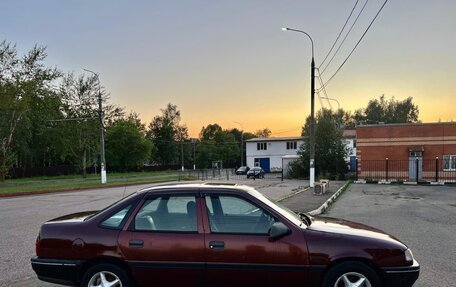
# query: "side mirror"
x,y
278,230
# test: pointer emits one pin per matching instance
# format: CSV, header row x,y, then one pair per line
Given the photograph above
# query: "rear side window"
x,y
168,214
115,220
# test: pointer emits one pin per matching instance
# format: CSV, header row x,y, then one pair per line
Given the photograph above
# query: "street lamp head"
x,y
284,29
90,71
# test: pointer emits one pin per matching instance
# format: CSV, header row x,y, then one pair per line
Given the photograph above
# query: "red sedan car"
x,y
215,235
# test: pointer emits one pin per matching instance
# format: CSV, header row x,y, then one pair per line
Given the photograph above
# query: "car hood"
x,y
345,227
74,217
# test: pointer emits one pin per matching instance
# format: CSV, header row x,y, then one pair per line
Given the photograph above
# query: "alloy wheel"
x,y
352,279
104,279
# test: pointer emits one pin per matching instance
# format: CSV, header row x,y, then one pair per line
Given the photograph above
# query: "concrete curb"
x,y
298,191
330,200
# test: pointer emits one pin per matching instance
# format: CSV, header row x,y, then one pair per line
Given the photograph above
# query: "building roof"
x,y
404,124
275,139
349,133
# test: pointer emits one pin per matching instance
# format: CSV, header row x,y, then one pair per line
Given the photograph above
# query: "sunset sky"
x,y
225,61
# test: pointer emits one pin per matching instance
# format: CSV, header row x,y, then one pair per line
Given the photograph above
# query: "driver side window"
x,y
231,214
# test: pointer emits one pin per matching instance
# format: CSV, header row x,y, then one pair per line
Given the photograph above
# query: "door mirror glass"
x,y
278,230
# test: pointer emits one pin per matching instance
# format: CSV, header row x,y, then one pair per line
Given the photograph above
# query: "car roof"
x,y
208,186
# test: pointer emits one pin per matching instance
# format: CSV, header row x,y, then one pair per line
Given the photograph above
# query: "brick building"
x,y
407,152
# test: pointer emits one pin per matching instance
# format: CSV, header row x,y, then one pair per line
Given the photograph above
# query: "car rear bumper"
x,y
401,276
59,271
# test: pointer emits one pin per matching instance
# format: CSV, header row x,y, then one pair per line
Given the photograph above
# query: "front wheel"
x,y
351,274
105,275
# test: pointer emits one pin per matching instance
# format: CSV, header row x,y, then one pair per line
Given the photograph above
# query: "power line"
x,y
319,99
354,48
340,33
346,36
324,90
289,130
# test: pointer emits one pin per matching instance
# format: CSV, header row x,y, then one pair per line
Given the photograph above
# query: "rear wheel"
x,y
351,274
105,275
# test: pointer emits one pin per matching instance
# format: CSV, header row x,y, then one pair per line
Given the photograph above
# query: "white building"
x,y
269,153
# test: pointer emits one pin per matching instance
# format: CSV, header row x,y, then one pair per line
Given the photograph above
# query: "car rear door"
x,y
164,242
240,251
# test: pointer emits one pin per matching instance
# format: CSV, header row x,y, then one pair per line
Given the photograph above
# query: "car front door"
x,y
164,244
240,251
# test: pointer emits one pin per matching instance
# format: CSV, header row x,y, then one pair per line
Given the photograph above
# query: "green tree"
x,y
166,132
24,92
217,144
126,145
330,149
388,111
263,133
80,121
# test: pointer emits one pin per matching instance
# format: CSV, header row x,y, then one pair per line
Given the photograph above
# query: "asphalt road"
x,y
423,217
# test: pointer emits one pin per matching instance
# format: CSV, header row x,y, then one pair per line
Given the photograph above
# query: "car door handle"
x,y
217,245
136,243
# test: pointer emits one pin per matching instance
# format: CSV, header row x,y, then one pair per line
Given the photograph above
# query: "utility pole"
x,y
312,109
312,123
194,153
101,119
242,143
182,153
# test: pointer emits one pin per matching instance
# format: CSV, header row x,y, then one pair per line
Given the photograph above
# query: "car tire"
x,y
109,272
352,272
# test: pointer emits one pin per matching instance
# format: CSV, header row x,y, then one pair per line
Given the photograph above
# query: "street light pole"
x,y
101,118
194,153
242,143
182,155
312,110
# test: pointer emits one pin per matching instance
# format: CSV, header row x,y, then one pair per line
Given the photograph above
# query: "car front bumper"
x,y
401,276
59,271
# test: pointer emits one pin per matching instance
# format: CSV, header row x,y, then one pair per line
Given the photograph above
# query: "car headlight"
x,y
408,255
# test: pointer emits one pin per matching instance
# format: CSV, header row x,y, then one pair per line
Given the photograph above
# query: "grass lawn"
x,y
69,182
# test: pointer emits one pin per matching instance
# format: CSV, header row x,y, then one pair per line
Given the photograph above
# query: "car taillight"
x,y
37,246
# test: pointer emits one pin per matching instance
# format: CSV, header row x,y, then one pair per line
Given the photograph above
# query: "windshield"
x,y
289,214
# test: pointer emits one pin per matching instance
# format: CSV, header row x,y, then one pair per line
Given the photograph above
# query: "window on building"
x,y
292,145
449,162
415,154
262,146
354,143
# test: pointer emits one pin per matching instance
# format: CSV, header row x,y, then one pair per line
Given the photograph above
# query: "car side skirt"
x,y
229,266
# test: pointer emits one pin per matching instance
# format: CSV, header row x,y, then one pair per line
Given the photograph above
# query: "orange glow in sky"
x,y
226,61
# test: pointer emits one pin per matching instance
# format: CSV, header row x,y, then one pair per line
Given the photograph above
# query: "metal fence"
x,y
225,174
413,170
